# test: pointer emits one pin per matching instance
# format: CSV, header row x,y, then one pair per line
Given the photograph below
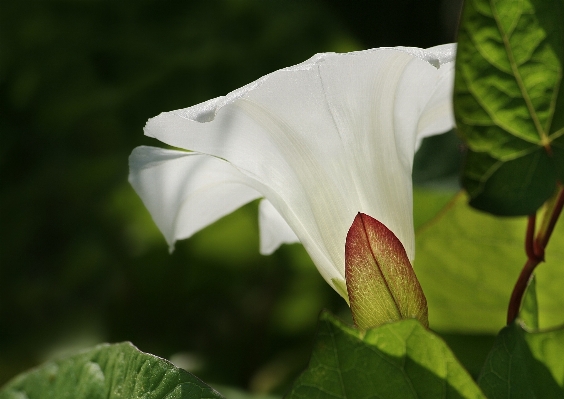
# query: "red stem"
x,y
530,237
519,289
535,253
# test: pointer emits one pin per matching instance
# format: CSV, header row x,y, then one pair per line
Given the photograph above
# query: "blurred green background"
x,y
81,261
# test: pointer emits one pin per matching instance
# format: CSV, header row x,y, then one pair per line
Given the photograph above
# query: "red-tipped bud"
x,y
381,283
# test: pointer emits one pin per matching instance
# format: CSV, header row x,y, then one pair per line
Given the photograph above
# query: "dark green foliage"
x,y
397,360
117,371
525,365
509,102
525,362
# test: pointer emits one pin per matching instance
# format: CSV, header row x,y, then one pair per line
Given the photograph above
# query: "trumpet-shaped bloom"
x,y
319,141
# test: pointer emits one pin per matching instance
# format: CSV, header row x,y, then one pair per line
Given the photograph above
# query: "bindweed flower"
x,y
319,142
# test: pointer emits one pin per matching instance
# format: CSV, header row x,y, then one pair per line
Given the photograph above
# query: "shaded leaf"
x,y
397,360
525,365
118,371
468,261
509,102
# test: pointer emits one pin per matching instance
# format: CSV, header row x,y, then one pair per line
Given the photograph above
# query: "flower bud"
x,y
381,283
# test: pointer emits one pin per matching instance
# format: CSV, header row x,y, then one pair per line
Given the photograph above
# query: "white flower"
x,y
320,141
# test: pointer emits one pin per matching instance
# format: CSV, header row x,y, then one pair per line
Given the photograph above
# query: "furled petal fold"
x,y
324,140
186,191
274,231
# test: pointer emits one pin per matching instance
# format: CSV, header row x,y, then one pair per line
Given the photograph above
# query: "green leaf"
x,y
397,360
525,364
235,393
468,261
509,102
118,371
428,203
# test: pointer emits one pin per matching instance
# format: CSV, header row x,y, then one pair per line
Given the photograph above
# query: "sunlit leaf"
x,y
509,102
398,360
468,261
118,371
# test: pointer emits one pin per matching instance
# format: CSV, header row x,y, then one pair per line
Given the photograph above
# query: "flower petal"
x,y
437,115
184,192
326,139
274,231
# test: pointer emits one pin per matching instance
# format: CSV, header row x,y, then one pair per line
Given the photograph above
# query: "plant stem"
x,y
519,289
535,249
530,236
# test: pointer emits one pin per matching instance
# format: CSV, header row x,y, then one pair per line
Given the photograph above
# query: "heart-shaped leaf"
x,y
525,363
509,102
468,261
118,371
396,360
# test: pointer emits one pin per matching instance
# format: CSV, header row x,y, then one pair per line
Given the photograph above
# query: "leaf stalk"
x,y
535,249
